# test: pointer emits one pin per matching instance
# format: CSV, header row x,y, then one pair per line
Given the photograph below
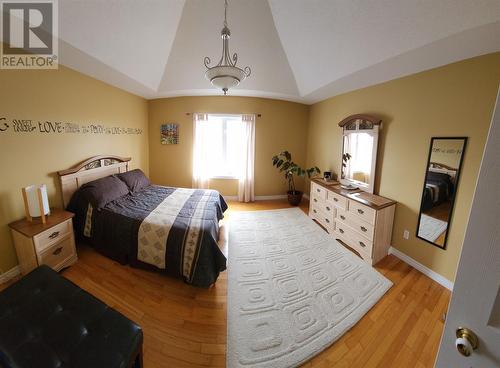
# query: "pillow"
x,y
135,179
102,191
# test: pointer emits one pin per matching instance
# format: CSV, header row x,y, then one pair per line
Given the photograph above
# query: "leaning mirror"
x,y
440,188
359,151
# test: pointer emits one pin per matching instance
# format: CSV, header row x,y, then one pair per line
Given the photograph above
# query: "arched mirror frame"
x,y
366,124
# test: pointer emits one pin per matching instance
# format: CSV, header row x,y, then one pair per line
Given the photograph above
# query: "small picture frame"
x,y
169,133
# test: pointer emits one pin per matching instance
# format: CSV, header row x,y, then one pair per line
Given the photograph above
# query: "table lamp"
x,y
36,202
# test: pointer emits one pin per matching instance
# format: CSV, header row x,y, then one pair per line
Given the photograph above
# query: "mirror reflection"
x,y
359,153
440,187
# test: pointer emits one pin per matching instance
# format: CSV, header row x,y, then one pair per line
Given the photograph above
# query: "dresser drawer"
x,y
337,200
318,191
363,212
58,253
325,218
362,227
353,238
52,235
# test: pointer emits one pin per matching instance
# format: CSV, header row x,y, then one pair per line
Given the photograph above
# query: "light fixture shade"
x,y
225,77
33,200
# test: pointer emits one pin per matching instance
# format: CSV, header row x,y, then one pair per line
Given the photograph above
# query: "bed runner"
x,y
155,229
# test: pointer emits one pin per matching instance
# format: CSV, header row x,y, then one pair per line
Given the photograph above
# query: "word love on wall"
x,y
22,126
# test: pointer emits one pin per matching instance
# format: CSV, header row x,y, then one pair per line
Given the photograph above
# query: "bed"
x,y
126,218
439,186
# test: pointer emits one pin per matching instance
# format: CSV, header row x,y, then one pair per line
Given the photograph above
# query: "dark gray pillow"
x,y
135,179
102,191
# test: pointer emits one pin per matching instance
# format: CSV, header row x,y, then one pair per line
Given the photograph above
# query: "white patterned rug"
x,y
431,228
292,289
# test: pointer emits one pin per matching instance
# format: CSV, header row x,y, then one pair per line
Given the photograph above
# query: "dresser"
x,y
360,220
52,243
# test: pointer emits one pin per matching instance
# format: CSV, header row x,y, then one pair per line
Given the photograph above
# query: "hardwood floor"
x,y
186,327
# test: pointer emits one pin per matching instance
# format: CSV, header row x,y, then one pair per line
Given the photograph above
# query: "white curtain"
x,y
201,175
246,184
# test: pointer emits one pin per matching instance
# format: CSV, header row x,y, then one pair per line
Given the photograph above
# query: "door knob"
x,y
466,341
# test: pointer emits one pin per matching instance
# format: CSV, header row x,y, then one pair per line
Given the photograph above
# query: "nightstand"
x,y
52,243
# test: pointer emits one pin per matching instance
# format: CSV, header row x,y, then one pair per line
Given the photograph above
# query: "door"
x,y
475,303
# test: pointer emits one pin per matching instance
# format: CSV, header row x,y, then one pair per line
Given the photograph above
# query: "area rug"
x,y
431,228
292,289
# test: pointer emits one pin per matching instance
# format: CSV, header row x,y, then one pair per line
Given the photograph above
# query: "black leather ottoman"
x,y
46,321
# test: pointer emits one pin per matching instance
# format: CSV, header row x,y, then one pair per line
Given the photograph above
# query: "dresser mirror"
x,y
440,186
359,151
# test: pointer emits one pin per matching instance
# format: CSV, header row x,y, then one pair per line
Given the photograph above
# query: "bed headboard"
x,y
91,169
442,168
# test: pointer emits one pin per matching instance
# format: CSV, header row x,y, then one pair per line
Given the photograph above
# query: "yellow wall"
x,y
283,125
33,158
454,100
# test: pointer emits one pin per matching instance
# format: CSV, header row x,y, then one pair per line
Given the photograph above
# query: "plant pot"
x,y
294,197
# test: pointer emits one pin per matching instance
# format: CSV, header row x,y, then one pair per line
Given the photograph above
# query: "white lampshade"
x,y
33,203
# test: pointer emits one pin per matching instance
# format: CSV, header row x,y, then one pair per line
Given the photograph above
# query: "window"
x,y
221,142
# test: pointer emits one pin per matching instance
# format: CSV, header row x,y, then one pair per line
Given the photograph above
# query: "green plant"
x,y
283,162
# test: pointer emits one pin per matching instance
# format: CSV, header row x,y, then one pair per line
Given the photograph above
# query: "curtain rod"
x,y
250,113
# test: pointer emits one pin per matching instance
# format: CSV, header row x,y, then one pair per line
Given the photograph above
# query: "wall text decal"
x,y
59,127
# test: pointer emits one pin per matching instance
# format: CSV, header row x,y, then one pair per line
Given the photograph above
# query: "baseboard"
x,y
258,198
270,197
10,274
420,267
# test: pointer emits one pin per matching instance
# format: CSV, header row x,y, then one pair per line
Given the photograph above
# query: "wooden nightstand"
x,y
52,243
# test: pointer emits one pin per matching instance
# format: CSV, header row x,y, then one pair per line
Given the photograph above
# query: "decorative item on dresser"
x,y
52,243
361,220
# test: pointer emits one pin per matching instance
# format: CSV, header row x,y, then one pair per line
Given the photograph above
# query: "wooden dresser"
x,y
52,243
361,220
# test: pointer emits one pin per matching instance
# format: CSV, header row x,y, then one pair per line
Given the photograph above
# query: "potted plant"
x,y
283,162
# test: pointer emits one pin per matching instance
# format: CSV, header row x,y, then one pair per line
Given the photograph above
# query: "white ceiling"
x,y
299,50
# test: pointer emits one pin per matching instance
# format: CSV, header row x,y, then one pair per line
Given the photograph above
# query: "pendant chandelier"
x,y
225,74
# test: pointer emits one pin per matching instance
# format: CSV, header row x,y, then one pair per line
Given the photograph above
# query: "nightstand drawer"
x,y
52,235
57,253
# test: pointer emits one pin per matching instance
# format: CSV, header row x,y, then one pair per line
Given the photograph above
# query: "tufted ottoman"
x,y
47,321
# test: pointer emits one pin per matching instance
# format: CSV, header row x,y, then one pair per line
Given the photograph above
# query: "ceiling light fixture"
x,y
225,74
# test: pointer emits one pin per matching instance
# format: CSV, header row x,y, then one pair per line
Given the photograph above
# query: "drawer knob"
x,y
327,220
54,235
335,199
362,244
315,200
363,229
317,190
315,211
361,212
327,208
57,251
342,217
341,231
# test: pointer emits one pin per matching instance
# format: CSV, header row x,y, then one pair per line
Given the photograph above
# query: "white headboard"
x,y
444,169
91,169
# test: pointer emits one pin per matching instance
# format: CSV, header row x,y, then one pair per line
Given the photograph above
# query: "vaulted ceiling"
x,y
299,50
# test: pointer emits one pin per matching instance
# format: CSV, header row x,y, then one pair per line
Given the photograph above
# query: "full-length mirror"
x,y
359,151
440,187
